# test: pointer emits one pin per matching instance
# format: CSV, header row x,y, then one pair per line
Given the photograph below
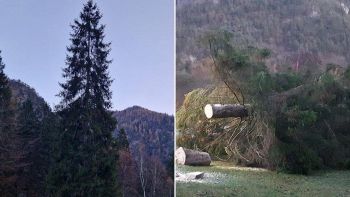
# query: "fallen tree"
x,y
225,111
298,124
186,156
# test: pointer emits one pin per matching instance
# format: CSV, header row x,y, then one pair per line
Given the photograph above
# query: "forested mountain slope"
x,y
308,33
150,129
150,138
151,144
22,92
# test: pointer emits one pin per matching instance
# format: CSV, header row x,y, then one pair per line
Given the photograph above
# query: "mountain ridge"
x,y
145,127
152,129
138,107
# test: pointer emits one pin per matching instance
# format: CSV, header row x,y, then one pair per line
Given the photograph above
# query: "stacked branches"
x,y
297,122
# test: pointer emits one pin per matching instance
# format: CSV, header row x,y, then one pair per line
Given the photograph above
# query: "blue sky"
x,y
34,35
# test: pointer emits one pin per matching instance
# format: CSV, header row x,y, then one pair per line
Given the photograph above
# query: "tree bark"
x,y
225,111
186,156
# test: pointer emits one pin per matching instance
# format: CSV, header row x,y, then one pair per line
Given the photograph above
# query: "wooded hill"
x,y
149,134
152,129
151,143
310,33
23,92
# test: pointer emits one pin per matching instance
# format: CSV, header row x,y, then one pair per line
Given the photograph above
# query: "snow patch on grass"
x,y
209,178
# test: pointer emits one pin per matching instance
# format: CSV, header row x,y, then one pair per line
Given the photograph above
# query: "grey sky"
x,y
34,35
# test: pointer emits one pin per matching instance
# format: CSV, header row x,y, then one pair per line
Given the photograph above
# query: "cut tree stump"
x,y
190,157
226,111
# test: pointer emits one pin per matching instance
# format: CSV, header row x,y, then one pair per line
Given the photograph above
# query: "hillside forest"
x,y
80,148
284,61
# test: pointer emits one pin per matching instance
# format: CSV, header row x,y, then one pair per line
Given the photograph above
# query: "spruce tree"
x,y
86,160
9,153
122,140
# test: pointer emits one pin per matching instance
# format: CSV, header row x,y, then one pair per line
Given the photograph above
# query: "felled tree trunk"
x,y
190,157
225,111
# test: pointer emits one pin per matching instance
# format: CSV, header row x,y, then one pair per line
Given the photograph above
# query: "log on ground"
x,y
226,111
190,157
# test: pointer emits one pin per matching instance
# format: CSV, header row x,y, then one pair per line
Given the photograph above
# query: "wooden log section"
x,y
190,157
226,111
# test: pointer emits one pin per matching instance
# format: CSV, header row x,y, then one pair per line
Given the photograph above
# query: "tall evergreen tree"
x,y
86,160
9,153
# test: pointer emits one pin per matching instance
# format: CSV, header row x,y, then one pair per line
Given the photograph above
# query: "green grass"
x,y
235,181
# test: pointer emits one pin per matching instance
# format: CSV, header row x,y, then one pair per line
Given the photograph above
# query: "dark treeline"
x,y
70,151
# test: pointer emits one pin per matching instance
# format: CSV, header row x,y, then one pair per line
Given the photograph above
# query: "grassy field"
x,y
225,180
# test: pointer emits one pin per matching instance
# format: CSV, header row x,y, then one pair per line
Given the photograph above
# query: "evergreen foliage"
x,y
299,121
122,140
71,152
4,88
29,126
9,139
36,127
85,163
25,152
